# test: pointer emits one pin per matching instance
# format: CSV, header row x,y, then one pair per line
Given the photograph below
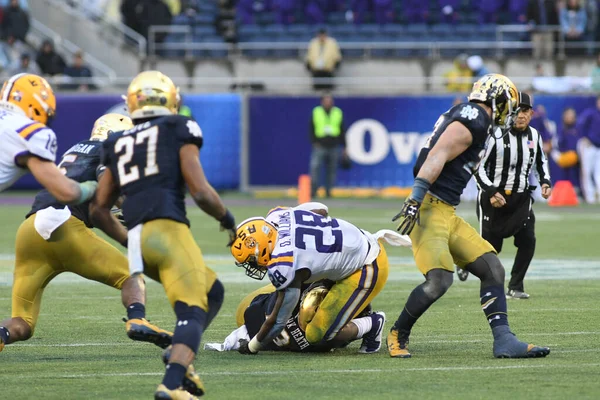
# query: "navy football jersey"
x,y
456,174
80,163
144,162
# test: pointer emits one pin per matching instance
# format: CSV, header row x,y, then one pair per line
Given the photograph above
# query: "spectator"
x,y
15,21
284,11
25,66
13,49
588,126
595,76
129,9
477,67
49,61
458,79
327,134
540,14
489,11
323,58
565,155
249,9
79,71
449,11
316,11
518,11
544,126
140,15
573,21
174,6
384,11
416,11
22,3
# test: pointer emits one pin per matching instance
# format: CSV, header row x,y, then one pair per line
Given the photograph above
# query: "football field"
x,y
80,350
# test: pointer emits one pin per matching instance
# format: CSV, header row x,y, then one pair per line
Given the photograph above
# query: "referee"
x,y
504,201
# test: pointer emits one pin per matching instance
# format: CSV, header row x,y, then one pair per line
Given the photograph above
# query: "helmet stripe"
x,y
10,84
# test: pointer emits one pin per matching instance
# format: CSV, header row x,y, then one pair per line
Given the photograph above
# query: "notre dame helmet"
x,y
253,246
500,94
152,94
110,123
30,94
310,303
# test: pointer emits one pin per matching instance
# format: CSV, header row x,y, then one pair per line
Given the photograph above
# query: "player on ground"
x,y
306,247
441,238
27,105
63,241
150,165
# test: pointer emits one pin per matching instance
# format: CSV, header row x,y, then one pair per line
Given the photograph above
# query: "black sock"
x,y
493,303
136,311
418,302
4,335
174,376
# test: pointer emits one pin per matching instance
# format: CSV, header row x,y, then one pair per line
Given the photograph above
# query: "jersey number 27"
x,y
126,146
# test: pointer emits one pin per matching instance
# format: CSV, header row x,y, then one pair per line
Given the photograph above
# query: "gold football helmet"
x,y
108,124
253,246
31,94
310,304
152,94
499,93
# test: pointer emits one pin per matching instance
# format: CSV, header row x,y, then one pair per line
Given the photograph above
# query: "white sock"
x,y
363,324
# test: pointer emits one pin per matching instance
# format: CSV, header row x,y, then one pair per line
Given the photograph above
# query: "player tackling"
x,y
441,238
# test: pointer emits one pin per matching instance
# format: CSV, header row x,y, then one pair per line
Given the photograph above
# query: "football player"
x,y
441,238
27,105
64,241
150,165
306,247
253,310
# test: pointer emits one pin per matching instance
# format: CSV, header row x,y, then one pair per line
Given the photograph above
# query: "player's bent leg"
x,y
437,282
215,295
246,301
493,302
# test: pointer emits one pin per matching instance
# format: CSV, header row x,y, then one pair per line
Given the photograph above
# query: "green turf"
x,y
80,350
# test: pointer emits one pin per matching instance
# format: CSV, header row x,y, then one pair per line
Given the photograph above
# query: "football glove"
x,y
118,213
408,216
244,349
228,224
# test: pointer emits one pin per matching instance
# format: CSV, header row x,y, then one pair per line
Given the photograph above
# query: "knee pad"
x,y
488,269
437,282
215,300
191,322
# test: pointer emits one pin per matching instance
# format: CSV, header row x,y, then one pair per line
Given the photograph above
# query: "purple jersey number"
x,y
307,228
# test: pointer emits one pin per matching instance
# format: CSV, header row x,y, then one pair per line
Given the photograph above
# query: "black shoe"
x,y
516,294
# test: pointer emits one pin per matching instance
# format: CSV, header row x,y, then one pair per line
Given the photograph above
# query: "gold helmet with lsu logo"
x,y
500,94
108,124
30,94
152,94
253,246
310,303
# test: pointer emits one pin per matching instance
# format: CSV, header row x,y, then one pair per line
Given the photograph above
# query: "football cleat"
x,y
371,342
397,346
162,393
532,351
462,274
508,346
191,381
516,294
141,330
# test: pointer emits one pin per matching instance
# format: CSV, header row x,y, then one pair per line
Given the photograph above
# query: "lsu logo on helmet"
x,y
253,246
30,94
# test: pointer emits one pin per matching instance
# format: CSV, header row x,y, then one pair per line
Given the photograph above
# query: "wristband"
x,y
419,190
87,190
254,345
228,221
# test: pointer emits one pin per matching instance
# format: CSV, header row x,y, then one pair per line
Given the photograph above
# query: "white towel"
x,y
388,236
49,219
232,342
134,250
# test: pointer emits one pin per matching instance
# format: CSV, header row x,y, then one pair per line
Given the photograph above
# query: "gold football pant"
x,y
172,257
72,248
347,298
443,239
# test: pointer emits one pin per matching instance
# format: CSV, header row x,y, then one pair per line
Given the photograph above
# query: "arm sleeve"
x,y
484,182
291,297
542,173
42,144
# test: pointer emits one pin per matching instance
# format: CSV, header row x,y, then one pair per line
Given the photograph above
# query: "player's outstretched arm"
x,y
65,190
202,192
106,196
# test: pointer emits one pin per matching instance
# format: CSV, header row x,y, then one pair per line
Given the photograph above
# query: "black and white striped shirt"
x,y
508,161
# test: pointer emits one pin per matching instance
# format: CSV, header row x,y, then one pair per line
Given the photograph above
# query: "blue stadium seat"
x,y
259,53
173,38
352,53
182,19
266,18
342,30
245,32
442,29
393,29
300,29
273,31
204,19
467,30
336,18
383,53
204,30
285,53
368,29
420,29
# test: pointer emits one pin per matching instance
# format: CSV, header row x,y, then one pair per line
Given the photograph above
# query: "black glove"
x,y
244,347
228,224
408,216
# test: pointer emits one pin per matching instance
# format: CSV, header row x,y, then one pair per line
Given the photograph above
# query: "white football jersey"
x,y
329,248
20,135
